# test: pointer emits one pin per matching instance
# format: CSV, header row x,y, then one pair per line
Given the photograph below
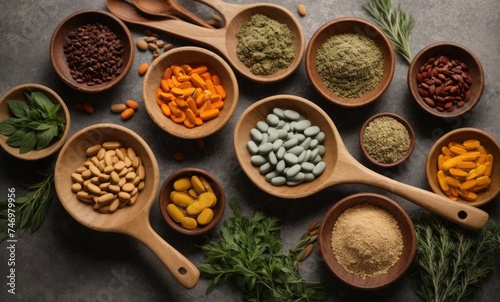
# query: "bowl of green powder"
x,y
367,240
386,140
350,62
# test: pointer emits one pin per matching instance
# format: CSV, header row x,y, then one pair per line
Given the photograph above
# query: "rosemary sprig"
x,y
29,210
396,24
247,255
452,261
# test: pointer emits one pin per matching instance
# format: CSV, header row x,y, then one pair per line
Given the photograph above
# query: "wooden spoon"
x,y
169,8
130,220
222,39
341,167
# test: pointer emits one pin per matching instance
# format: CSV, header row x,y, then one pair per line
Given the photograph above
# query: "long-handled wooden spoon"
x,y
341,167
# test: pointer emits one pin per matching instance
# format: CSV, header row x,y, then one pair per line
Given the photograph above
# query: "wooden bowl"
x,y
402,159
194,56
17,93
344,26
72,22
453,51
218,209
73,156
460,135
407,230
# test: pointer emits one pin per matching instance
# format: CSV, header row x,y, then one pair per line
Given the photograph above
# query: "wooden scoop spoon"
x,y
169,8
341,167
130,220
222,39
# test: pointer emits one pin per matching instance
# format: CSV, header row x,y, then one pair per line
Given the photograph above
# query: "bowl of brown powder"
x,y
350,62
91,51
367,240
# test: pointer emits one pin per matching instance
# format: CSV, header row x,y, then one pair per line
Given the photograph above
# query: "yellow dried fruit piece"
x,y
205,216
469,184
458,172
452,181
182,184
189,223
467,195
458,149
175,212
471,144
208,198
442,181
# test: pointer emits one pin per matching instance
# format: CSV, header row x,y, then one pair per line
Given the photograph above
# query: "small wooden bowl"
x,y
218,209
407,230
72,22
194,56
344,26
460,135
453,51
408,128
17,93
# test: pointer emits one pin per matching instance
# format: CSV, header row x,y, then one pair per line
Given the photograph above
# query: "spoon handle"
x,y
462,214
183,270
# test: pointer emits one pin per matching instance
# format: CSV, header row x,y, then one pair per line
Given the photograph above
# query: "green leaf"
x,y
7,128
44,138
18,108
16,139
40,101
28,143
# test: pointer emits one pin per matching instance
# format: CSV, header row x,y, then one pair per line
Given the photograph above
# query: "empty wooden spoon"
x,y
169,8
341,167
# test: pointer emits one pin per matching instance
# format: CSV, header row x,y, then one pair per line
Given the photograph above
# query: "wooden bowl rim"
x,y
164,200
445,47
106,18
400,119
63,111
209,127
431,162
369,96
405,224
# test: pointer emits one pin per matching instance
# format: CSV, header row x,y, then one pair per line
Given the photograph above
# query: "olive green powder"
x,y
350,64
386,140
265,45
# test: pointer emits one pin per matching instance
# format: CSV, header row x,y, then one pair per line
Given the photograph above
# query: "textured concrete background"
x,y
65,261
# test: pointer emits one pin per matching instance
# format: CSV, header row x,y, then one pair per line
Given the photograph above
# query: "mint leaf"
x,y
7,128
18,108
28,143
41,101
16,138
44,138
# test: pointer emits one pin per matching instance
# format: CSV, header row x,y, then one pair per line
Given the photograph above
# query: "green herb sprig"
x,y
34,125
395,23
247,255
29,211
452,262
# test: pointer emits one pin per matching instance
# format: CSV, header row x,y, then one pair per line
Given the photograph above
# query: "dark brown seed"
x,y
460,104
432,89
467,96
430,102
448,105
422,92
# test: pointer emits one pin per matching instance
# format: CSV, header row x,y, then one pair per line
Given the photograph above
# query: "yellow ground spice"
x,y
366,240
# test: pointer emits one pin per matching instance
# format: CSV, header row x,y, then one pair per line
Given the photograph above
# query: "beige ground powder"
x,y
366,240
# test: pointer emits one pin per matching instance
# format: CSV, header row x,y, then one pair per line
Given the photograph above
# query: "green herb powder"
x,y
386,140
350,64
265,45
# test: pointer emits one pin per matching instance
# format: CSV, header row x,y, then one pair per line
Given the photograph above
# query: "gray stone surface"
x,y
65,261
